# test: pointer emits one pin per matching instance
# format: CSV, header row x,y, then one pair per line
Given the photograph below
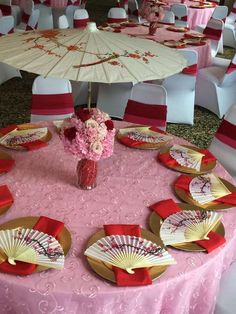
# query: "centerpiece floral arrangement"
x,y
89,135
153,12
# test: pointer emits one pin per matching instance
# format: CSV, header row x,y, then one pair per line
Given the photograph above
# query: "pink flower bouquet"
x,y
152,11
89,134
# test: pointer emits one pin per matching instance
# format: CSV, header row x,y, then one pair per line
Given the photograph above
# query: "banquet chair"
x,y
229,35
6,71
229,32
213,32
112,98
63,22
181,14
168,19
223,145
116,15
133,11
51,99
220,12
70,11
231,18
147,105
6,25
216,87
29,22
45,16
181,91
81,18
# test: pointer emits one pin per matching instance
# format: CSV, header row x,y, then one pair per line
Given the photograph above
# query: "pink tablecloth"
x,y
204,52
195,16
43,183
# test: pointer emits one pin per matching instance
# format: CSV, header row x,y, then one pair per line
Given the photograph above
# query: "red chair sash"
x,y
52,104
117,20
231,68
226,133
81,23
191,70
25,17
182,18
135,12
140,113
212,33
233,10
6,9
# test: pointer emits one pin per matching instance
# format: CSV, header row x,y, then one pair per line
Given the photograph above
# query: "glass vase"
x,y
87,174
153,28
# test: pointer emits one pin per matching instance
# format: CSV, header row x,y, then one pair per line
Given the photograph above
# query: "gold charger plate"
x,y
204,167
105,270
174,44
5,156
186,197
28,126
155,222
64,237
141,146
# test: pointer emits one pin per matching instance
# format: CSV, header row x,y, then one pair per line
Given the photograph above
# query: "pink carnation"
x,y
88,134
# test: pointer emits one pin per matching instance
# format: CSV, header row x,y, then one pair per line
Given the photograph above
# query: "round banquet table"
x,y
204,52
43,183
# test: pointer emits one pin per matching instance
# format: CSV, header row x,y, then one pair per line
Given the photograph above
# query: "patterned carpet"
x,y
15,95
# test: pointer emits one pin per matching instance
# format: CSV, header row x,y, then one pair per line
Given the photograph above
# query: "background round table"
x,y
43,182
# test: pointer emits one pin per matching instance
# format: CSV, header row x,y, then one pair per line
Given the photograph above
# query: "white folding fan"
x,y
207,188
186,157
144,134
18,137
188,226
31,246
129,252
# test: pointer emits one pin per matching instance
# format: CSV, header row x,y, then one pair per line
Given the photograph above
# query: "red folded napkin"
x,y
169,207
6,165
141,276
44,224
166,159
6,197
8,129
133,143
183,182
34,145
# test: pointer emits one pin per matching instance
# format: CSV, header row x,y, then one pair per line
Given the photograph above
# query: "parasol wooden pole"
x,y
89,94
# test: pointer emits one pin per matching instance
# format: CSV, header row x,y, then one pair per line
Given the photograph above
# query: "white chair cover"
x,y
6,71
223,145
31,22
215,87
63,22
148,94
116,14
181,14
231,18
81,18
45,16
70,11
181,91
48,87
